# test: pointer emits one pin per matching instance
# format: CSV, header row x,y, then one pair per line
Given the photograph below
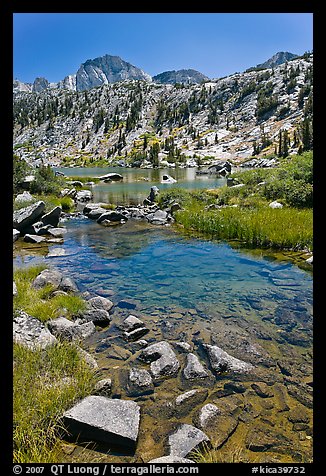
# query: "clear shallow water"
x,y
255,307
136,183
156,268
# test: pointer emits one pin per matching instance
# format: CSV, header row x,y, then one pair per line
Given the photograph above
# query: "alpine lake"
x,y
257,305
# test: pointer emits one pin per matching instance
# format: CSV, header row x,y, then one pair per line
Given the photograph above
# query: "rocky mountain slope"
x,y
140,122
277,59
186,76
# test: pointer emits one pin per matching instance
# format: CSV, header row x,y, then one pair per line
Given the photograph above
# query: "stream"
x,y
255,305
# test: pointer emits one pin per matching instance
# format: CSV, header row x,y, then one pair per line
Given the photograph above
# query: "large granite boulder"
x,y
30,332
27,216
164,362
98,418
52,218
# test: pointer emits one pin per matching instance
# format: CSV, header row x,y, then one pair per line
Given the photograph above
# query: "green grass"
x,y
41,396
252,221
264,227
40,303
206,454
51,201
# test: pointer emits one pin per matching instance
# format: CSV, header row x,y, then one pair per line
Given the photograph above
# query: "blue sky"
x,y
54,45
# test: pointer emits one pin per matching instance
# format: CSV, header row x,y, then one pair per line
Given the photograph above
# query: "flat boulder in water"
x,y
98,418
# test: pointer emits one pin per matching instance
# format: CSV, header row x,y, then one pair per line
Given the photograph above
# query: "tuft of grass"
x,y
41,303
207,454
46,383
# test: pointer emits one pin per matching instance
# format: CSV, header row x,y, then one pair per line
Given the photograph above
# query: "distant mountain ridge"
x,y
277,59
187,76
111,69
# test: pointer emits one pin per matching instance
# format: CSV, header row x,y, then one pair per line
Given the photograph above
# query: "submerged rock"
x,y
139,383
103,387
98,418
194,369
171,459
221,361
186,439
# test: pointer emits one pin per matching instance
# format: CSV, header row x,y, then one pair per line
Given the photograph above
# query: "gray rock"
x,y
131,323
310,260
55,252
221,361
164,362
96,213
186,439
57,232
171,459
16,235
88,358
15,292
139,383
136,333
186,402
83,196
103,387
98,418
56,279
68,285
263,390
53,217
207,415
30,332
111,177
183,346
219,166
33,238
194,369
68,330
160,217
275,204
24,197
111,216
28,215
92,206
47,276
99,302
98,316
